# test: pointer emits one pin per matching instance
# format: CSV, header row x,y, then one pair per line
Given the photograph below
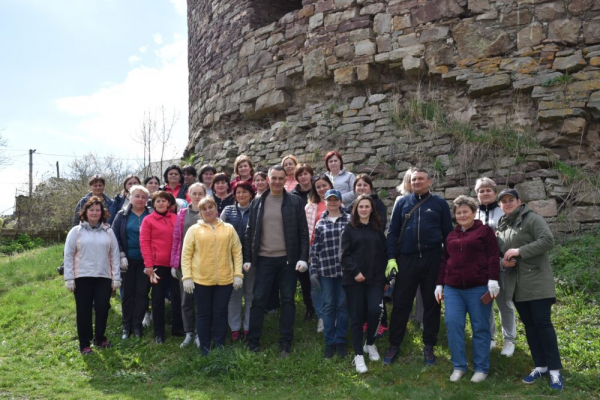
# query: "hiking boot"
x,y
390,355
428,355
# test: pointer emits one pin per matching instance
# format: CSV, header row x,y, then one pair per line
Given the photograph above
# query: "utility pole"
x,y
31,172
57,171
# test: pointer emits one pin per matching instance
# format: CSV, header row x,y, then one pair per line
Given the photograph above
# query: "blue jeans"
x,y
335,310
317,300
459,302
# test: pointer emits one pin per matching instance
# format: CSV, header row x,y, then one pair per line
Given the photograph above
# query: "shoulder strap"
x,y
407,217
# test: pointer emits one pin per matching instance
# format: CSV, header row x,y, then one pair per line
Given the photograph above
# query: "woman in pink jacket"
x,y
156,240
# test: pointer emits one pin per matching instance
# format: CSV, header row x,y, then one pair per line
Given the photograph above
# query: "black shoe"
x,y
253,347
329,351
341,349
160,340
390,355
310,314
138,333
285,350
428,355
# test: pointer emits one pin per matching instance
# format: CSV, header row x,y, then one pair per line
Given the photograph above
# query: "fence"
x,y
48,235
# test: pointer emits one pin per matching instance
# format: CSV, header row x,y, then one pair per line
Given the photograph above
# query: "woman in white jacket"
x,y
92,271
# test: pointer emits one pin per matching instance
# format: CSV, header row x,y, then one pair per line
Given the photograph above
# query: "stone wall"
x,y
334,73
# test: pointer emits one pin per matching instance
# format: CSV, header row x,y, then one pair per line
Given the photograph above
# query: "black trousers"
x,y
158,303
304,279
541,337
268,271
415,270
136,286
92,293
212,303
365,304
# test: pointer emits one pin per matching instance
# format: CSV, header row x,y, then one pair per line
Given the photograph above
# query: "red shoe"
x,y
365,328
86,350
381,331
103,345
235,336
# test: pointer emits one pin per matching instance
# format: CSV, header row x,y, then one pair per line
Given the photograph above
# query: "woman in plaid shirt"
x,y
326,273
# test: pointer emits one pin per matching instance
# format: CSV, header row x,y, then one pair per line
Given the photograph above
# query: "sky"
x,y
78,77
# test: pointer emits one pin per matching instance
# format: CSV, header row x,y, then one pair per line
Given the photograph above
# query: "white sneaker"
x,y
189,338
359,362
508,349
197,341
320,326
492,345
372,351
456,375
147,319
478,377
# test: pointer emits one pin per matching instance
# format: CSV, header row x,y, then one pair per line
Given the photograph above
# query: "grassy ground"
x,y
39,355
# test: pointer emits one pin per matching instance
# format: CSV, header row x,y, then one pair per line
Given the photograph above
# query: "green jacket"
x,y
531,278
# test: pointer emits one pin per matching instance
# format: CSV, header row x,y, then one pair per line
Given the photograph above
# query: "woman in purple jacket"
x,y
469,269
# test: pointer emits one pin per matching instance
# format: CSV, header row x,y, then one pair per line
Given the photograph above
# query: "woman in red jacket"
x,y
469,270
156,239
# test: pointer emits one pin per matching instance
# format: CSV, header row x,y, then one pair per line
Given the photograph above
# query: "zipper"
x,y
216,258
419,233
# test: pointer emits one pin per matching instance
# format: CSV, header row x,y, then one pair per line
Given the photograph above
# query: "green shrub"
x,y
22,243
576,264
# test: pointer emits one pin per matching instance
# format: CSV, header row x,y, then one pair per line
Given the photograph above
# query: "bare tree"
x,y
145,136
165,130
3,157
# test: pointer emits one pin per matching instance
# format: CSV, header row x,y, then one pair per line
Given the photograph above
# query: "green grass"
x,y
39,355
559,80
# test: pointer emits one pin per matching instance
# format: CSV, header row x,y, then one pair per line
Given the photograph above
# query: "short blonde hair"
x,y
291,157
206,201
404,188
197,185
139,188
464,200
485,182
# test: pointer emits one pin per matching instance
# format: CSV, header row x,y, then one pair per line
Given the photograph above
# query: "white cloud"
x,y
114,111
134,59
158,39
143,49
180,6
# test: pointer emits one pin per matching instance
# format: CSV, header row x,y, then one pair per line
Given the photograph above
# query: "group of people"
x,y
215,241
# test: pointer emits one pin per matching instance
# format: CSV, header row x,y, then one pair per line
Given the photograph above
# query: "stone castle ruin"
x,y
508,89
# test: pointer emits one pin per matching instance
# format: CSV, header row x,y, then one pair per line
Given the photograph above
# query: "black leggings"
x,y
92,294
365,304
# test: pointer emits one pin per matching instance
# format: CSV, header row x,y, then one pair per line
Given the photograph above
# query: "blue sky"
x,y
78,76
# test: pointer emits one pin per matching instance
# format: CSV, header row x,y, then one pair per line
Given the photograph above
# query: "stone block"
x,y
314,66
415,68
516,64
585,214
476,41
478,6
344,76
591,198
344,51
564,30
577,7
453,192
550,11
382,23
366,73
569,64
372,9
545,208
528,83
358,103
248,47
282,81
439,54
591,32
343,3
376,98
384,44
434,34
407,40
560,114
434,10
306,11
573,126
594,101
272,102
315,21
531,190
402,22
482,86
411,51
364,48
518,17
595,62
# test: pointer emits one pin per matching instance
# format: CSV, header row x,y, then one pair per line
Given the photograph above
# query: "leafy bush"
x,y
22,243
576,263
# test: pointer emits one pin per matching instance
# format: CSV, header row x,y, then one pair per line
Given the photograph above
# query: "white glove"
x,y
301,266
124,264
237,282
70,285
116,285
188,286
174,273
494,288
247,266
439,293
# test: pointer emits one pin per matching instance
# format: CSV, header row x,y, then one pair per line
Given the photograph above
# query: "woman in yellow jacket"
x,y
211,264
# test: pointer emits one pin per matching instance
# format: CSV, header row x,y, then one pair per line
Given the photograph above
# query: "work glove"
x,y
124,263
439,293
174,273
70,285
494,288
392,265
314,281
188,286
237,282
116,285
301,266
246,266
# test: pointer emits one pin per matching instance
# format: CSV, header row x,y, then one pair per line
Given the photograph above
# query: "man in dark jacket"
x,y
276,244
418,261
